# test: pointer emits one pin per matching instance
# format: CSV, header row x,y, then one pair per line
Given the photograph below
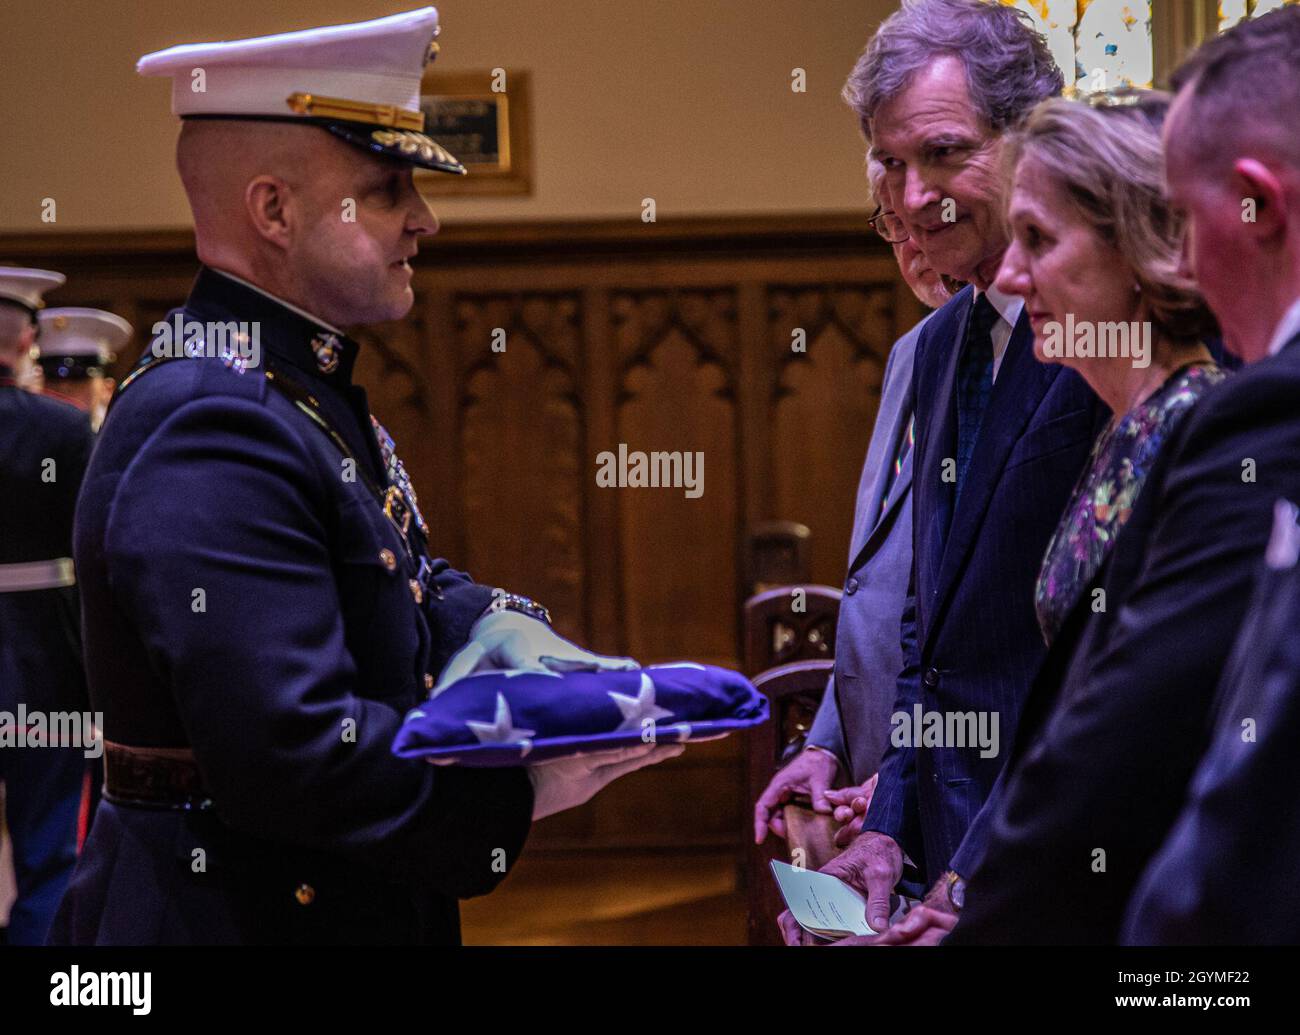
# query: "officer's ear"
x,y
270,208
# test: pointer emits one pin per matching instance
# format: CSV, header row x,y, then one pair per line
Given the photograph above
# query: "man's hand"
x,y
810,772
793,934
851,804
568,782
924,925
872,864
510,640
927,924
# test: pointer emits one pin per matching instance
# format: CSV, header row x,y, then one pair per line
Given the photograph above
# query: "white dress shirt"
x,y
1287,329
1009,308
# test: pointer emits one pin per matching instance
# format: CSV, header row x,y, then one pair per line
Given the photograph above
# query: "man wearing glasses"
x,y
836,769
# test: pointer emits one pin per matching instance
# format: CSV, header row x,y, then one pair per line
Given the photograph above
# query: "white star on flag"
x,y
639,708
502,729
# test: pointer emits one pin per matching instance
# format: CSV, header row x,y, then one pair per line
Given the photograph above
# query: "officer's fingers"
x,y
462,663
610,756
843,814
845,835
579,660
514,651
612,663
661,753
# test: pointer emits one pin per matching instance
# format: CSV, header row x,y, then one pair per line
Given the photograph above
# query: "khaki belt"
x,y
155,778
55,574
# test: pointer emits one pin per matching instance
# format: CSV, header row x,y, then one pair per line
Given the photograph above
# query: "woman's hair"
x,y
1105,154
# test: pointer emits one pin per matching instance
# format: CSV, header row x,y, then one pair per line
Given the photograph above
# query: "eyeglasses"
x,y
888,226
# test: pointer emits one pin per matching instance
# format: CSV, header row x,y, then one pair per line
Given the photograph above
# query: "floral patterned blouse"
x,y
1103,499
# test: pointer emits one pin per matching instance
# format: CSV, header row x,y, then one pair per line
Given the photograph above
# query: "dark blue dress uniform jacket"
x,y
40,646
288,676
1226,873
40,642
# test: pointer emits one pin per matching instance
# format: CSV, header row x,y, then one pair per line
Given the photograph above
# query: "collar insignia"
x,y
327,348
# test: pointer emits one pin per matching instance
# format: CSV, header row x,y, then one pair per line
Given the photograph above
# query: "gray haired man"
x,y
1000,440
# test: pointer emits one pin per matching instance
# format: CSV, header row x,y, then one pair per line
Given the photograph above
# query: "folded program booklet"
x,y
820,903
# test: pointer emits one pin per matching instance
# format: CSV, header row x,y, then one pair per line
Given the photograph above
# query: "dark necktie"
x,y
974,382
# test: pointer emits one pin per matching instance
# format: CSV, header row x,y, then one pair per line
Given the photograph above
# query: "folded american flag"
x,y
517,718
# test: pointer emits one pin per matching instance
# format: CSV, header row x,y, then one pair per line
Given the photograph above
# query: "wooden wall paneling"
x,y
520,439
756,475
601,532
440,483
824,404
392,365
677,354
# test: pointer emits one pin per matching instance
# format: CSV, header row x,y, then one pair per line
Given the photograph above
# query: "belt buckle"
x,y
394,501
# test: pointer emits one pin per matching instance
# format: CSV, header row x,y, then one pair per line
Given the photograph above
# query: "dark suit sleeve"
x,y
1103,784
266,688
894,807
973,845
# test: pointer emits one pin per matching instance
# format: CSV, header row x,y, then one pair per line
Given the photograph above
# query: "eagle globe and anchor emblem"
x,y
327,348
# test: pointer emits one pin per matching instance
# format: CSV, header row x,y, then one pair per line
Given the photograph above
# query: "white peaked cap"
x,y
360,81
27,287
91,335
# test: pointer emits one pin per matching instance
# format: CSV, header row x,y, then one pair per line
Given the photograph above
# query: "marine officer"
x,y
46,445
259,607
77,345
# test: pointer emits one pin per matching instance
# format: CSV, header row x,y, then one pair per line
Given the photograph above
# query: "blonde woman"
x,y
1096,254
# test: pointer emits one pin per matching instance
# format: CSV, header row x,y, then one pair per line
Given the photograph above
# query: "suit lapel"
x,y
944,446
877,530
936,424
879,463
1020,386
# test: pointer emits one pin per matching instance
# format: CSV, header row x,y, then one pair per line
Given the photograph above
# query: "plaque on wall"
x,y
481,118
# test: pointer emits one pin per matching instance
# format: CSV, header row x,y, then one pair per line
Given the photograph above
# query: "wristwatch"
x,y
503,601
956,891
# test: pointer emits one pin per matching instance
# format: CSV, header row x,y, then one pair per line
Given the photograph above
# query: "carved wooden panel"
x,y
824,406
677,396
521,443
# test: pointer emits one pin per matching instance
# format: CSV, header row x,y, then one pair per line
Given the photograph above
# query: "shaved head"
x,y
304,215
14,323
1232,167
